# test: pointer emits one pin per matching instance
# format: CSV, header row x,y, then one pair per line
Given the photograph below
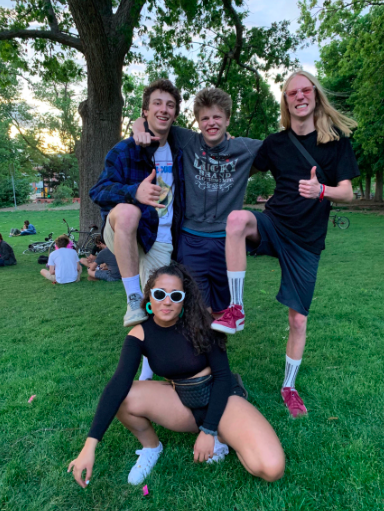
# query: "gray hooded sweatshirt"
x,y
215,178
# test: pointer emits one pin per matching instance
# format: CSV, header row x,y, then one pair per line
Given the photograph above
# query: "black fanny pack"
x,y
194,392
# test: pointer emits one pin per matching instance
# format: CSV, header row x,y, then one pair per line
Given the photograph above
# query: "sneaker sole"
x,y
227,329
133,322
224,329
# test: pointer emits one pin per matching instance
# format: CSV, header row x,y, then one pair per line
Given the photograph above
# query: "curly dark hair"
x,y
165,86
196,320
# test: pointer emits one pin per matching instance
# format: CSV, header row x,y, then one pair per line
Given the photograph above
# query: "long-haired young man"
x,y
293,226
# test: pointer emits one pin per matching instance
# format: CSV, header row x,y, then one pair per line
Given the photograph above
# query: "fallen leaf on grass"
x,y
333,418
262,291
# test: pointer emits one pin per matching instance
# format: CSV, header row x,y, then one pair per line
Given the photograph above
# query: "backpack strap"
x,y
319,171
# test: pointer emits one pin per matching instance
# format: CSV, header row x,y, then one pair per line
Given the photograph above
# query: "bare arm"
x,y
93,266
343,192
52,270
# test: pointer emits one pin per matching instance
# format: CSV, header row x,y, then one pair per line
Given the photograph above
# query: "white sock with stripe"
x,y
132,285
291,370
236,286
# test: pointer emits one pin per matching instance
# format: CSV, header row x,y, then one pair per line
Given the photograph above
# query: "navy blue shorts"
x,y
298,266
205,259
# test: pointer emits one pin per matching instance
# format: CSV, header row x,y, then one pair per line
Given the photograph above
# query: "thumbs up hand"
x,y
149,194
310,189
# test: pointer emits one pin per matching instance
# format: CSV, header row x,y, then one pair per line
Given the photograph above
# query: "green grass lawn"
x,y
62,343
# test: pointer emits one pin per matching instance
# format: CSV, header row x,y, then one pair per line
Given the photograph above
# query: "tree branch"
x,y
124,22
51,16
57,37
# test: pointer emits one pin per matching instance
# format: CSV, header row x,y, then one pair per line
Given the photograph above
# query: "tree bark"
x,y
367,195
379,187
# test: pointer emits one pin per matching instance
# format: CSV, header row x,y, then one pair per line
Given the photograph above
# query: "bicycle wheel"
x,y
90,245
342,222
36,248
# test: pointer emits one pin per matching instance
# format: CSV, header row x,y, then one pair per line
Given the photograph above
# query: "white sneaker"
x,y
145,463
135,313
219,451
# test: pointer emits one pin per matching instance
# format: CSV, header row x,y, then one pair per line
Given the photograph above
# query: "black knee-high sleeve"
x,y
118,387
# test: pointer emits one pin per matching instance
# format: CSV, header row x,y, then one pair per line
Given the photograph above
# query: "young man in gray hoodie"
x,y
216,172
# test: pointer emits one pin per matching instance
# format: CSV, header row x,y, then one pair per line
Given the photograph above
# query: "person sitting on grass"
x,y
27,229
180,346
63,263
86,261
7,256
104,266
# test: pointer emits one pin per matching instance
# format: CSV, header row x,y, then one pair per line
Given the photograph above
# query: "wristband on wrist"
x,y
207,431
322,191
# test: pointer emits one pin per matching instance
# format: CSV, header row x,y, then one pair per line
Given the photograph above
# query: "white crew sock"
x,y
132,285
236,286
291,370
146,371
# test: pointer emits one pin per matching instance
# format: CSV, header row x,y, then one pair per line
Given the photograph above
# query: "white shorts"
x,y
159,255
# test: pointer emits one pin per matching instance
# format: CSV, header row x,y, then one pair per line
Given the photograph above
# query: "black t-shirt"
x,y
106,256
171,355
305,221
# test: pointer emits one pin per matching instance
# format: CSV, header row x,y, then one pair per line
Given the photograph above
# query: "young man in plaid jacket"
x,y
141,195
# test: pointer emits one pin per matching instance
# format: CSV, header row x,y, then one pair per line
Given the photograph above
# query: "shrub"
x,y
22,191
63,194
261,184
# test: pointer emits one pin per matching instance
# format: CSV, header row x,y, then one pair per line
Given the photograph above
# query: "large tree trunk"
x,y
101,131
361,188
379,187
367,187
106,37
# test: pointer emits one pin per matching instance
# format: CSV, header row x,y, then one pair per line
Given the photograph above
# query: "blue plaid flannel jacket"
x,y
126,166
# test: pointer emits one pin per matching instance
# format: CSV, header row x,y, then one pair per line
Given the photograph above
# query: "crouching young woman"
x,y
201,395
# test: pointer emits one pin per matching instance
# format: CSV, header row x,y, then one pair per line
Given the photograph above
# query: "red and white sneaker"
x,y
293,402
231,321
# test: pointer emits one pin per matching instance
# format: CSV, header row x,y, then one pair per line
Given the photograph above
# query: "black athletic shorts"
x,y
298,266
205,259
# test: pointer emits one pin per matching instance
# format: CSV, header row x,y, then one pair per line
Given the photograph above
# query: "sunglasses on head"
x,y
159,295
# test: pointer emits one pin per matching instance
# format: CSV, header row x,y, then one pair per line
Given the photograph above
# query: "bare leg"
x,y
240,226
154,401
84,261
297,334
47,275
124,220
252,437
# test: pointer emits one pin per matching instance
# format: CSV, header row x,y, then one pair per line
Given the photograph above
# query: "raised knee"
x,y
237,222
125,217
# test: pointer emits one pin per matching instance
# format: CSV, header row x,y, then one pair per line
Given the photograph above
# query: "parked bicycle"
x,y
342,222
39,247
85,248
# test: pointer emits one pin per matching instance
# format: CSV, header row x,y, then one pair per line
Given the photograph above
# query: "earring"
x,y
181,313
148,308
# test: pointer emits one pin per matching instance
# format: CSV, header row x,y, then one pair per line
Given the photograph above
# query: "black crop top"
x,y
172,356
